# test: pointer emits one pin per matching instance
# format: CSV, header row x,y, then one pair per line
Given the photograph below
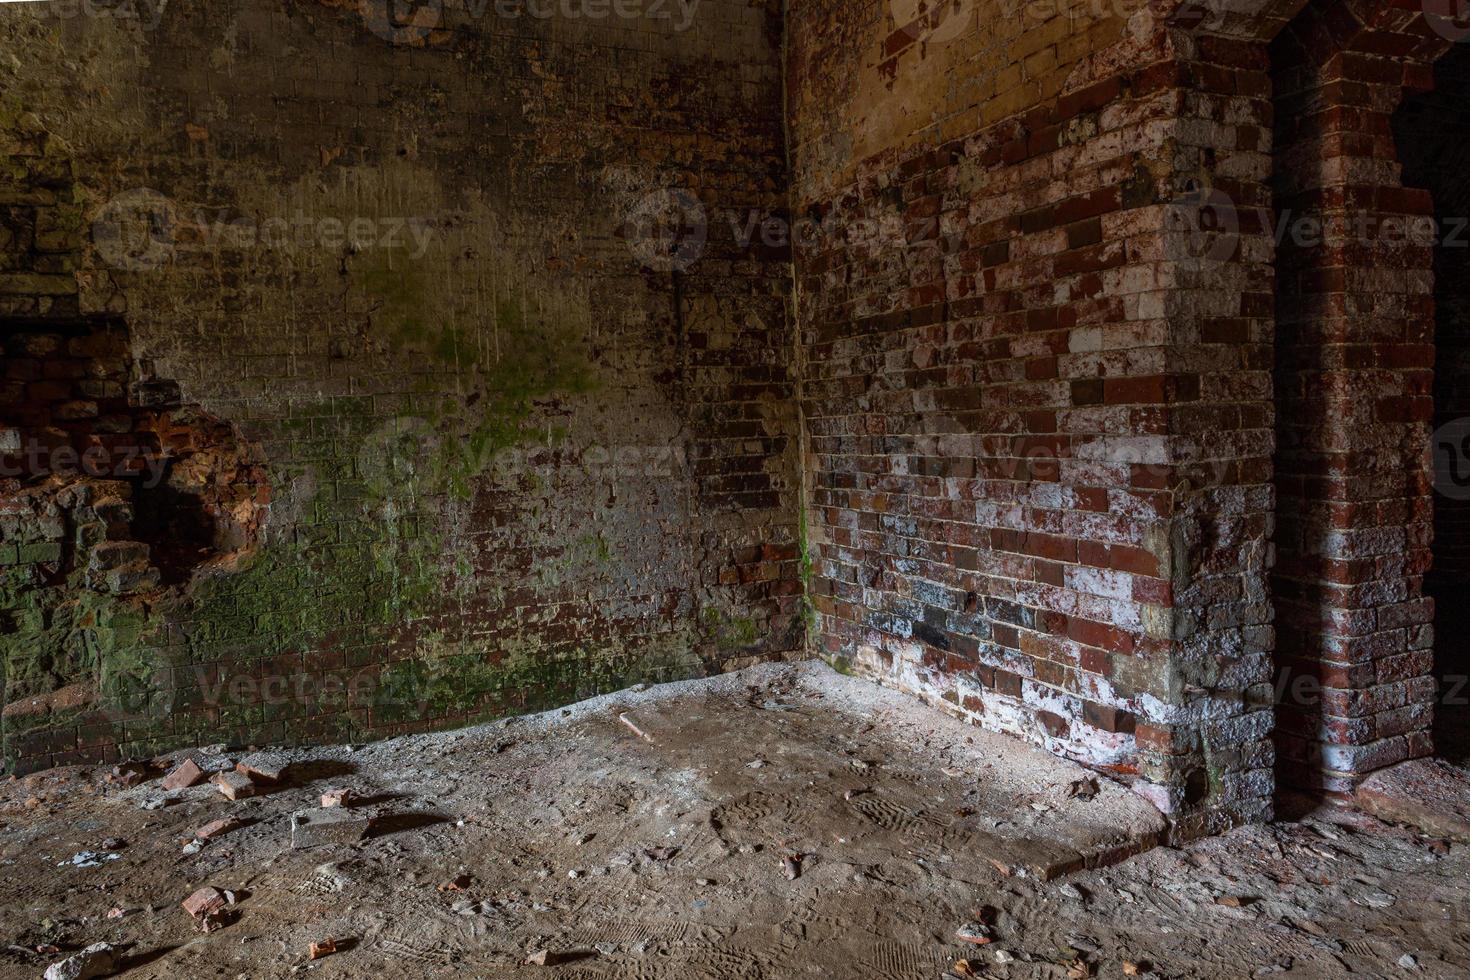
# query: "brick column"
x,y
1354,378
1214,753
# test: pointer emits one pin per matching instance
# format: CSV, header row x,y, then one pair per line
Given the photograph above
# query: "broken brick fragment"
x,y
234,785
185,775
336,797
216,828
206,901
264,767
128,774
317,828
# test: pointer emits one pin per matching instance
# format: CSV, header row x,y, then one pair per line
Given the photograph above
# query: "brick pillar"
x,y
1354,374
1215,755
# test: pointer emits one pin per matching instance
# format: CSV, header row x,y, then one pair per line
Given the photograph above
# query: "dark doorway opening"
x,y
1432,131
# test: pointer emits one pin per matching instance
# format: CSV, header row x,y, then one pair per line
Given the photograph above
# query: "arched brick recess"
x,y
1353,382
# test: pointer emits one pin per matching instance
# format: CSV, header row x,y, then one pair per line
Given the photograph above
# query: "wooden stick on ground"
x,y
636,730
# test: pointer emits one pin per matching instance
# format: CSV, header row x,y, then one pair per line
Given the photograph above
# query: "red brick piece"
x,y
186,774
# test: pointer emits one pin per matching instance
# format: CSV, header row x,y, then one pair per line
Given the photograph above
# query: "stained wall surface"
x,y
1355,385
461,292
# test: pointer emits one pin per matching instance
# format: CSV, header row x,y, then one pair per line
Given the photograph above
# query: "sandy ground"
x,y
666,857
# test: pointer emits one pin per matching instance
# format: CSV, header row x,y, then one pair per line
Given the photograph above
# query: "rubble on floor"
x,y
784,822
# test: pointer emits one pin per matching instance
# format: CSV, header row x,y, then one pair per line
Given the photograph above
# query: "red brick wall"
x,y
1354,387
1045,441
1036,395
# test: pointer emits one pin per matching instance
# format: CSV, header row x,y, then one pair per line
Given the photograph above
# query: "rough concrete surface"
x,y
781,822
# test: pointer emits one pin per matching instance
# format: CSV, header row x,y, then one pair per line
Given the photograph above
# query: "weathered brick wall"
x,y
1022,456
1354,383
1035,387
1221,321
517,453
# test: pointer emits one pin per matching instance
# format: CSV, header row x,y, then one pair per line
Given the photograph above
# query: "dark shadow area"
x,y
179,531
301,773
1296,589
1432,131
140,960
396,823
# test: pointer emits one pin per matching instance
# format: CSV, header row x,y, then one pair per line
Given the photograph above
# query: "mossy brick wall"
x,y
1036,380
516,455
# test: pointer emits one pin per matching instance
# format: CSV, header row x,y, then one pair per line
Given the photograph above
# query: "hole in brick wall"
x,y
202,504
1196,787
150,490
177,529
1432,131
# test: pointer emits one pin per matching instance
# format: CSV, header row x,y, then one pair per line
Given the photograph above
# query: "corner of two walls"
x,y
1004,441
1038,312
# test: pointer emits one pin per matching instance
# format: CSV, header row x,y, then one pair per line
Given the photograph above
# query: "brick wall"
x,y
1354,384
1221,321
1051,404
1035,389
528,429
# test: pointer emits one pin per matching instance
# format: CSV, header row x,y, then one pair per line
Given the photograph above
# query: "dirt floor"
x,y
783,822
